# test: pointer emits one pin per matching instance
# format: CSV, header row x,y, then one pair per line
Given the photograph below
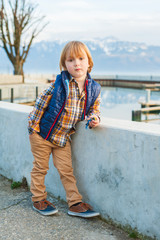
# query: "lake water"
x,y
119,102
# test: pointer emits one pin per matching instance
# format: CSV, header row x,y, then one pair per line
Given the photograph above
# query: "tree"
x,y
19,25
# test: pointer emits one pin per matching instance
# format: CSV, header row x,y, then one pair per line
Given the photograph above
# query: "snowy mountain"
x,y
110,55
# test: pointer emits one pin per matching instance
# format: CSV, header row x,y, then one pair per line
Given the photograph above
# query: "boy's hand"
x,y
95,121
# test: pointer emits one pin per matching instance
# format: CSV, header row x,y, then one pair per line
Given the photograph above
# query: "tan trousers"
x,y
62,160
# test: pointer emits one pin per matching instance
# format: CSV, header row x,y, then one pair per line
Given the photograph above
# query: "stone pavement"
x,y
19,222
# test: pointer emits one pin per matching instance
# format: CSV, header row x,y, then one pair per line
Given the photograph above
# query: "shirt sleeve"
x,y
41,104
95,109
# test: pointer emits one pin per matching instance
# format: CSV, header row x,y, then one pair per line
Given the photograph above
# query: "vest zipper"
x,y
55,121
86,84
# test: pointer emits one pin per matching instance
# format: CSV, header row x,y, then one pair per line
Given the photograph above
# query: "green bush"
x,y
15,185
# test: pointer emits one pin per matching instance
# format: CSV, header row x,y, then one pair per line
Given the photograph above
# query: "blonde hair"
x,y
75,48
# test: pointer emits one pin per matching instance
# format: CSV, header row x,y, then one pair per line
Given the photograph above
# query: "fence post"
x,y
148,95
136,115
36,92
12,95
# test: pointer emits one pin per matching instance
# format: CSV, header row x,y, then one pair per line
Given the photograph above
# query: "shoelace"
x,y
44,203
86,205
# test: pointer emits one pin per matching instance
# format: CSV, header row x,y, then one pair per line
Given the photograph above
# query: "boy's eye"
x,y
81,58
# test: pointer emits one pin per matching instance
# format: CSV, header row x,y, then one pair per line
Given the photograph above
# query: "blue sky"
x,y
130,20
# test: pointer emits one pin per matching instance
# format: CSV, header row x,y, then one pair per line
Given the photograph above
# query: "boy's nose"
x,y
76,61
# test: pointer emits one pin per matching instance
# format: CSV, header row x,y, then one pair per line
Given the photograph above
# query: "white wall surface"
x,y
117,166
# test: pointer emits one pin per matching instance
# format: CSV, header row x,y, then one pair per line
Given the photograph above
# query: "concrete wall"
x,y
10,79
117,166
38,78
28,78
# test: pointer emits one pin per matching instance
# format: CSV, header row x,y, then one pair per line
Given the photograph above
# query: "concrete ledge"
x,y
117,166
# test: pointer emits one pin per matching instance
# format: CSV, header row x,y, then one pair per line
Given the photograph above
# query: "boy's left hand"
x,y
95,121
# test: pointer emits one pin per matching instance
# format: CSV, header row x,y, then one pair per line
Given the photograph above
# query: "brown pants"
x,y
62,160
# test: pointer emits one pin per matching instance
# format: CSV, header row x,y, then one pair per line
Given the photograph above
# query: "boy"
x,y
72,97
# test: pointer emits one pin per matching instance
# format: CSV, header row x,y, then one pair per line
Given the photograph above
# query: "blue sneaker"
x,y
83,210
44,207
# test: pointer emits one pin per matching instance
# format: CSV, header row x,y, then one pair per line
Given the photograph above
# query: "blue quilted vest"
x,y
60,94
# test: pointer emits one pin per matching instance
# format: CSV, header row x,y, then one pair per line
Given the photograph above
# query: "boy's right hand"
x,y
94,121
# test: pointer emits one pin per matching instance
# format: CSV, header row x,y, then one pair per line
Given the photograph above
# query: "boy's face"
x,y
77,66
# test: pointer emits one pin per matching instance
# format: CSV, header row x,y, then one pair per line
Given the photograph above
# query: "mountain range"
x,y
110,56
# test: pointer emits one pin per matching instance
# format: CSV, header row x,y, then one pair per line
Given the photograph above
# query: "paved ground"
x,y
19,222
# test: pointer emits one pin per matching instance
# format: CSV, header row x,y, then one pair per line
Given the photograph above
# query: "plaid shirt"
x,y
72,113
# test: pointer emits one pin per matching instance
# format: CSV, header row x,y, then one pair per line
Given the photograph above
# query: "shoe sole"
x,y
89,215
46,213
